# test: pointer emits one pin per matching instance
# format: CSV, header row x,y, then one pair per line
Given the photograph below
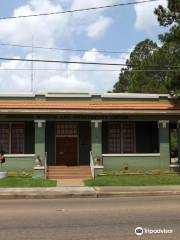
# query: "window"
x,y
12,138
114,138
121,137
67,129
4,137
128,136
147,137
17,138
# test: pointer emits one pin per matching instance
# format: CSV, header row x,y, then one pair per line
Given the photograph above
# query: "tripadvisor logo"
x,y
139,231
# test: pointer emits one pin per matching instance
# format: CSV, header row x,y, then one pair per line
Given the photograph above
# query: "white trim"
x,y
131,155
84,94
39,122
134,95
164,123
39,168
96,123
67,95
98,166
174,165
17,94
84,112
20,155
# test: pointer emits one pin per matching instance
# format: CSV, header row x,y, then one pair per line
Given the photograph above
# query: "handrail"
x,y
92,164
45,165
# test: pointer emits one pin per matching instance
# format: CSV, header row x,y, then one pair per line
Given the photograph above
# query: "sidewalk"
x,y
86,192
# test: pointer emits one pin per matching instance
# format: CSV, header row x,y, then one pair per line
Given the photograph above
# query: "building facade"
x,y
101,130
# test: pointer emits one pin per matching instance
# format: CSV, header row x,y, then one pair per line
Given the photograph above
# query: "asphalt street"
x,y
105,218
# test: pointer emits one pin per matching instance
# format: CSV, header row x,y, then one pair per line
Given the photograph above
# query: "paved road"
x,y
101,219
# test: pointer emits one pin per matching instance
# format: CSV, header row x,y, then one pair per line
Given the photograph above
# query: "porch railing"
x,y
45,165
91,164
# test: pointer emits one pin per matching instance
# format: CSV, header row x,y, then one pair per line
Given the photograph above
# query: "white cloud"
x,y
98,28
145,17
76,4
75,79
49,32
45,30
102,81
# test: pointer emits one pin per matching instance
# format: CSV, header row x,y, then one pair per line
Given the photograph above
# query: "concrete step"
x,y
68,168
70,171
68,176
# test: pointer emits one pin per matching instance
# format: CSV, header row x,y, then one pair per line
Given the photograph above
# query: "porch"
x,y
140,144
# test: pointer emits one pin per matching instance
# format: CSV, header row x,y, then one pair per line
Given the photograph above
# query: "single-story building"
x,y
82,129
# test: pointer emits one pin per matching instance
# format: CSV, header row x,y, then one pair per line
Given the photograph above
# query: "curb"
x,y
136,194
95,194
9,196
47,193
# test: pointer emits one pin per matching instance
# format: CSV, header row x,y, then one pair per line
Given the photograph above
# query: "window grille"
x,y
121,137
66,129
4,137
12,138
17,138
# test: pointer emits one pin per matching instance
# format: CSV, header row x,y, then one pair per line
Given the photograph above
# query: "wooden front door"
x,y
67,151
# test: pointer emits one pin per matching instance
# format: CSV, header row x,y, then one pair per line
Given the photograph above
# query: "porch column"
x,y
40,138
164,143
96,138
178,136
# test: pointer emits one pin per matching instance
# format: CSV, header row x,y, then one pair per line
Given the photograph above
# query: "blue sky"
x,y
117,29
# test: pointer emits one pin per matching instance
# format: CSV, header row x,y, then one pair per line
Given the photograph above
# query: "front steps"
x,y
69,172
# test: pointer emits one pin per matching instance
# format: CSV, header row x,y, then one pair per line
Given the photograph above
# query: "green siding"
x,y
19,164
139,162
29,138
96,139
40,140
50,142
84,143
164,145
147,137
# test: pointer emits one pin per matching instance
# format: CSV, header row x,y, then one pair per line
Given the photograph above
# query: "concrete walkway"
x,y
70,183
84,192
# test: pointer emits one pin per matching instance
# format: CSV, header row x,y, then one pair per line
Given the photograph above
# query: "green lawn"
x,y
26,182
135,180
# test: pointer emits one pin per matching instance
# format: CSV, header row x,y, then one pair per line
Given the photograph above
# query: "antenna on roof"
x,y
32,67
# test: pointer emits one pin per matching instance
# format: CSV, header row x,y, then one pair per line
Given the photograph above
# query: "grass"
x,y
26,182
135,180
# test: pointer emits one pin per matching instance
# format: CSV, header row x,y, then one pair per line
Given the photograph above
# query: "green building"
x,y
96,130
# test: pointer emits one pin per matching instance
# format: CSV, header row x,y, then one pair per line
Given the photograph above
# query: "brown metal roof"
x,y
87,105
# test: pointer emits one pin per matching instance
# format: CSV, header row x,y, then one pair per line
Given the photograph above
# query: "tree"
x,y
169,15
145,79
140,78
